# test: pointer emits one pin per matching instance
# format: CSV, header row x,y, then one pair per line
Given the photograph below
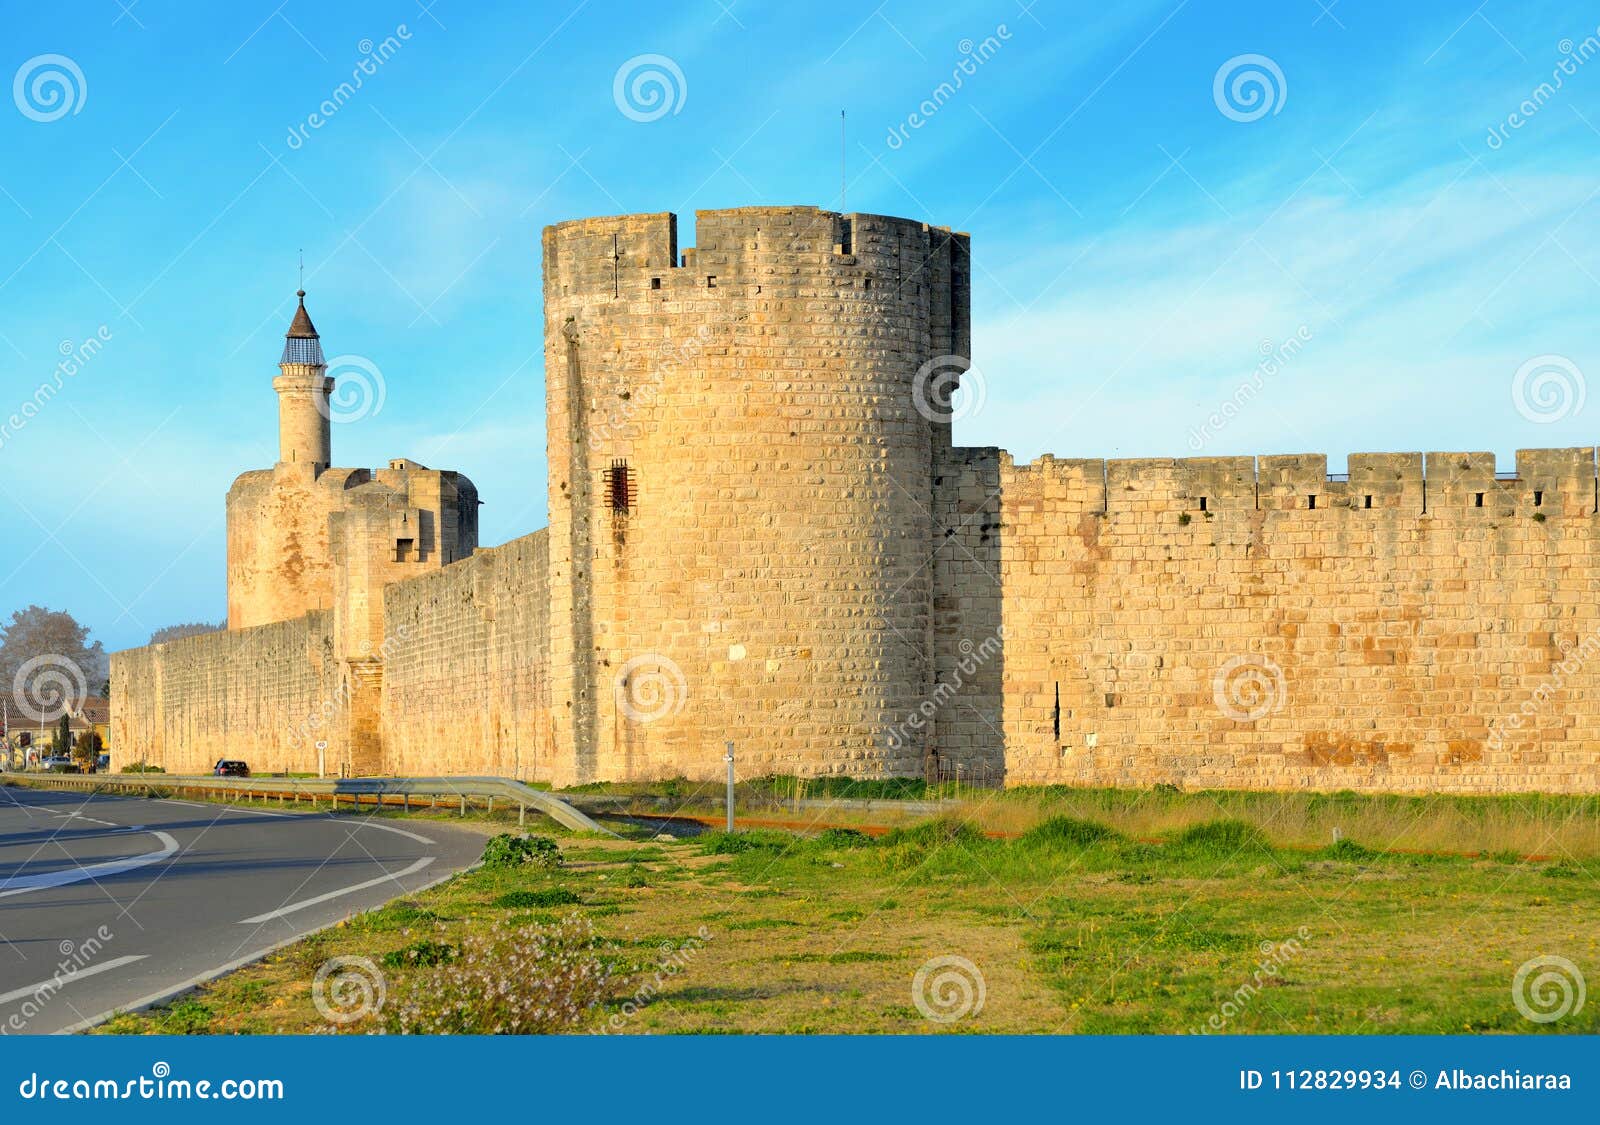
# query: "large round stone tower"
x,y
742,455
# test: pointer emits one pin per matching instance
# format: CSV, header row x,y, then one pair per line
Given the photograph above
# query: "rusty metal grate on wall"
x,y
619,487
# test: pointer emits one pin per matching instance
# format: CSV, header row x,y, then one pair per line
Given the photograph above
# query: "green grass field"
x,y
1146,916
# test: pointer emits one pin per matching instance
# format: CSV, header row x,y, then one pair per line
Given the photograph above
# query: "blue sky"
x,y
1138,247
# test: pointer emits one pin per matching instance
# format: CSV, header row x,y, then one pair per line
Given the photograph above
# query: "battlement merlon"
x,y
1551,482
767,251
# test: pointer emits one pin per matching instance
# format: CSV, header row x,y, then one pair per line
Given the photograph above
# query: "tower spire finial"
x,y
301,344
302,273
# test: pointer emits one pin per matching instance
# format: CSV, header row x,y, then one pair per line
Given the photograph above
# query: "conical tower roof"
x,y
301,343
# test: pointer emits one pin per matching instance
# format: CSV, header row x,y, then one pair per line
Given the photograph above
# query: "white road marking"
x,y
90,819
54,984
279,913
19,885
391,828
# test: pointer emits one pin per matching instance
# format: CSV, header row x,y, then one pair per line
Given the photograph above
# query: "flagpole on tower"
x,y
842,181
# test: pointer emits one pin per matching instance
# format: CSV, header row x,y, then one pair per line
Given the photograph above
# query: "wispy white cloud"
x,y
1420,303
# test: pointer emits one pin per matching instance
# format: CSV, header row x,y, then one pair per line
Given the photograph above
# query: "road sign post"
x,y
729,760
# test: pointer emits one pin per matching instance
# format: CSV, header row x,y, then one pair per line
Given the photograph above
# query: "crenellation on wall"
x,y
1553,482
1392,481
1558,482
1455,482
1289,482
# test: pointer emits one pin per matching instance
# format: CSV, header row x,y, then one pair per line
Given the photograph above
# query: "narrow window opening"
x,y
1477,500
711,281
619,487
1313,499
1368,504
1202,503
1055,721
866,283
655,283
1538,499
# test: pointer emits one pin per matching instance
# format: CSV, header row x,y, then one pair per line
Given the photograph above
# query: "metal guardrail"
x,y
380,789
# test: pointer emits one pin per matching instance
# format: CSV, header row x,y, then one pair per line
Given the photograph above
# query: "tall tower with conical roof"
x,y
303,386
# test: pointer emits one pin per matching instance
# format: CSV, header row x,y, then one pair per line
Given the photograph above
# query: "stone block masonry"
x,y
266,694
741,490
761,531
466,667
1243,623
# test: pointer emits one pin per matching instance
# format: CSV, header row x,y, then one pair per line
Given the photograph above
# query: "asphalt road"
x,y
107,902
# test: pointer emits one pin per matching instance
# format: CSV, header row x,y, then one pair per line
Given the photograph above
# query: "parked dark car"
x,y
229,767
